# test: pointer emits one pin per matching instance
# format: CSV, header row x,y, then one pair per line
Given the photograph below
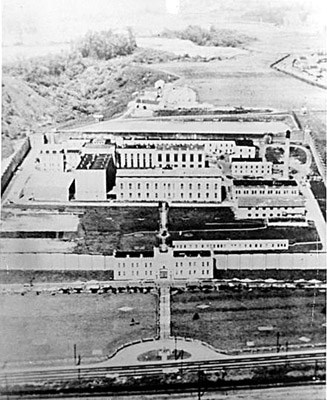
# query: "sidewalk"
x,y
129,355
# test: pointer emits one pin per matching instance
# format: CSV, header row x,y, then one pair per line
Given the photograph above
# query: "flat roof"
x,y
139,126
273,201
94,161
263,182
137,146
50,179
173,172
180,147
134,254
191,253
244,142
259,159
98,145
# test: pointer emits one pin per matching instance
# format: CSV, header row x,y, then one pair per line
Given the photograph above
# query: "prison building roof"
x,y
180,147
209,127
137,146
236,159
244,142
134,254
165,172
263,182
94,161
192,253
270,201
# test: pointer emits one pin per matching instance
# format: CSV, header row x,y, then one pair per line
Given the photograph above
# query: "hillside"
x,y
57,91
22,109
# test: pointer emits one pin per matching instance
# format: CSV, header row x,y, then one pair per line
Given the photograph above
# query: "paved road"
x,y
312,392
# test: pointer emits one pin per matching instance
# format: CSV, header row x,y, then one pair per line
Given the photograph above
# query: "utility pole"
x,y
200,375
74,353
314,300
277,342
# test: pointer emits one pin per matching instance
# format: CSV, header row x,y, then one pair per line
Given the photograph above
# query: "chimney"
x,y
287,155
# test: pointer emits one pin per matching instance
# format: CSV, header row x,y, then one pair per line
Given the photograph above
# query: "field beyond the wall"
x,y
230,320
44,328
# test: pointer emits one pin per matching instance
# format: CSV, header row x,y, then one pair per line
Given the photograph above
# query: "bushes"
x,y
209,37
105,45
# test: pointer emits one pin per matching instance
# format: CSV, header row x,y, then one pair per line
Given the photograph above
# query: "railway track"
x,y
56,375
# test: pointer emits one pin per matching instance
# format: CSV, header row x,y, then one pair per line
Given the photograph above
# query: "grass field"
x,y
247,80
233,319
105,229
197,217
299,237
44,328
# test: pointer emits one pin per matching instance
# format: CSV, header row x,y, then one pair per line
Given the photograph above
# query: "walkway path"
x,y
197,350
164,312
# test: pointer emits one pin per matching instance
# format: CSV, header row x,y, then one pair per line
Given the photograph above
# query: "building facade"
x,y
254,167
94,177
224,246
170,265
260,187
271,208
172,185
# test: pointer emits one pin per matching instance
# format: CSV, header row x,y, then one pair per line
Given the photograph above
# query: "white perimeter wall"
x,y
58,261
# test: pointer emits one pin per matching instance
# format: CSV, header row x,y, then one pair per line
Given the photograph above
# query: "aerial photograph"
x,y
163,199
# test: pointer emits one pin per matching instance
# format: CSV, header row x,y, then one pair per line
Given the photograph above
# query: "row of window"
x,y
136,273
168,195
181,272
272,208
271,215
123,265
206,165
168,186
190,263
263,191
251,167
228,245
146,162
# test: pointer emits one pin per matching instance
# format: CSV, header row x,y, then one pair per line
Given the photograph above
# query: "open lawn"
x,y
105,229
233,319
44,328
198,217
299,237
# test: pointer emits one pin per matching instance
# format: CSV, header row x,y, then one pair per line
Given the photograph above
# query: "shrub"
x,y
105,45
209,37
